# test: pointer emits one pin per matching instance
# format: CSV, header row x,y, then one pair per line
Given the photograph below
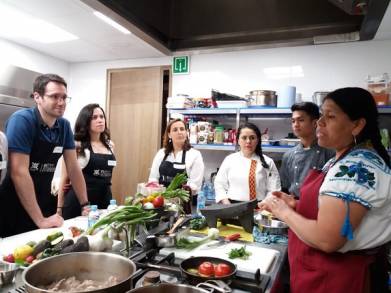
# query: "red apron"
x,y
314,271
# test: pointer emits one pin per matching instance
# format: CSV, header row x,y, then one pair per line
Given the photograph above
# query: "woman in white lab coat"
x,y
247,174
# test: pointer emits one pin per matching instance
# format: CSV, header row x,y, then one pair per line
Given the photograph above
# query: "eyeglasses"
x,y
57,98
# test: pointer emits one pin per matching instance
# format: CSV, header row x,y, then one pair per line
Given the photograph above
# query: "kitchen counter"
x,y
7,245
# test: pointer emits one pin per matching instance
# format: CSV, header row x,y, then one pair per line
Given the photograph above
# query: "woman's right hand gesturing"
x,y
287,198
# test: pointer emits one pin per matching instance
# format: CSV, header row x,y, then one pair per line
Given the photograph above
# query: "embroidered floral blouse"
x,y
363,177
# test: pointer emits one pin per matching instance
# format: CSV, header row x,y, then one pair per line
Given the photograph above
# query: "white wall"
x,y
88,81
17,55
324,67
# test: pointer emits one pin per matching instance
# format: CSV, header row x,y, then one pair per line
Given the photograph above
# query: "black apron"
x,y
168,170
43,160
97,175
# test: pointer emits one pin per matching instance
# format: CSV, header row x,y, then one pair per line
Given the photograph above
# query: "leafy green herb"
x,y
198,223
239,253
177,182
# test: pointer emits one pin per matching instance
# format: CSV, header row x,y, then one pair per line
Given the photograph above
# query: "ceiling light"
x,y
16,24
111,22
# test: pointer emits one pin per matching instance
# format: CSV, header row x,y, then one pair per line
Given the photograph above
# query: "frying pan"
x,y
195,262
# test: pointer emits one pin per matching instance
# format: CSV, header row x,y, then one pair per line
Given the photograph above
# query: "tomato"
x,y
30,259
158,201
206,269
9,258
222,270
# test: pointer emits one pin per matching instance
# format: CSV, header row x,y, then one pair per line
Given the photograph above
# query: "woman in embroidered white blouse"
x,y
233,181
340,227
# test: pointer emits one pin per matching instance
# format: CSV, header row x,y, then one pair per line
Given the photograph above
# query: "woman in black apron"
x,y
176,157
96,159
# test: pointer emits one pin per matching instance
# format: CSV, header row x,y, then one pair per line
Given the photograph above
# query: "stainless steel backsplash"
x,y
15,88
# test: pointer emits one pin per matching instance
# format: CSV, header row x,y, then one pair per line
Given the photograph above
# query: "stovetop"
x,y
170,272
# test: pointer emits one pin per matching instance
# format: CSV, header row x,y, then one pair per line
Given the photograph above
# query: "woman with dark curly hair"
x,y
96,158
177,156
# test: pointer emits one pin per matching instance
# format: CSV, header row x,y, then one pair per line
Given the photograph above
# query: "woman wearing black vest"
x,y
96,158
177,156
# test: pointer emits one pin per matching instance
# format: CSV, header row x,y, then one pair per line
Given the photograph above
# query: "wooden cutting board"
x,y
260,258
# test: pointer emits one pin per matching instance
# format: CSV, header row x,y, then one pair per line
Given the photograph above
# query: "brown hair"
x,y
41,82
167,142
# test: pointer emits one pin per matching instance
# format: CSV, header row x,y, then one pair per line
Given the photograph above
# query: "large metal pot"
x,y
84,265
165,287
264,98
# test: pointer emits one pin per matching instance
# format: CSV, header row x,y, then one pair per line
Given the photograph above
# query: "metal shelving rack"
x,y
266,112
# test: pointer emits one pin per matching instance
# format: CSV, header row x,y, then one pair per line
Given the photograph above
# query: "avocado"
x,y
81,244
41,246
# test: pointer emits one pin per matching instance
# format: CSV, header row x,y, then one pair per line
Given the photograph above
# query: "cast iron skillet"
x,y
194,263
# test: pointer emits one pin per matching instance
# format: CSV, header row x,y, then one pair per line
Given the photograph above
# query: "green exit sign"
x,y
181,65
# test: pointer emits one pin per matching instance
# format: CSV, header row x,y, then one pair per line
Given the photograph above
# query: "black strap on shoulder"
x,y
183,156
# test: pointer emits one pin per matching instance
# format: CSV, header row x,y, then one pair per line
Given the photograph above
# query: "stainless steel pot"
x,y
270,224
172,288
84,265
264,98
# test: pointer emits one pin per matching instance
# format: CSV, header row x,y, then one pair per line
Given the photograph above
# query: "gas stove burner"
x,y
163,278
165,267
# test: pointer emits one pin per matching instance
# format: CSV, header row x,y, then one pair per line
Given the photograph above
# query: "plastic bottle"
x,y
200,201
206,189
210,195
93,216
112,206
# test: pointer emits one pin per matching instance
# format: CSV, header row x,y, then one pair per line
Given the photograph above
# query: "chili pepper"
x,y
232,237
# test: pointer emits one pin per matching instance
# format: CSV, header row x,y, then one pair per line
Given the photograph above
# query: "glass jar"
x,y
219,134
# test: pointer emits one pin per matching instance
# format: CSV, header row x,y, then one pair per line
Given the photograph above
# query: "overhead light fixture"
x,y
111,22
16,24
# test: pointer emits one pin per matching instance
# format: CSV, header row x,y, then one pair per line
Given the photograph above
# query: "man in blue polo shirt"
x,y
37,137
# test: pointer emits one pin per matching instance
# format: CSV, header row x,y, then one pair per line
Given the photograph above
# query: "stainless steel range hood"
x,y
196,26
15,88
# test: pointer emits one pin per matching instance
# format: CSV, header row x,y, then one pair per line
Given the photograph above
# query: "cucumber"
x,y
41,246
55,238
60,246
